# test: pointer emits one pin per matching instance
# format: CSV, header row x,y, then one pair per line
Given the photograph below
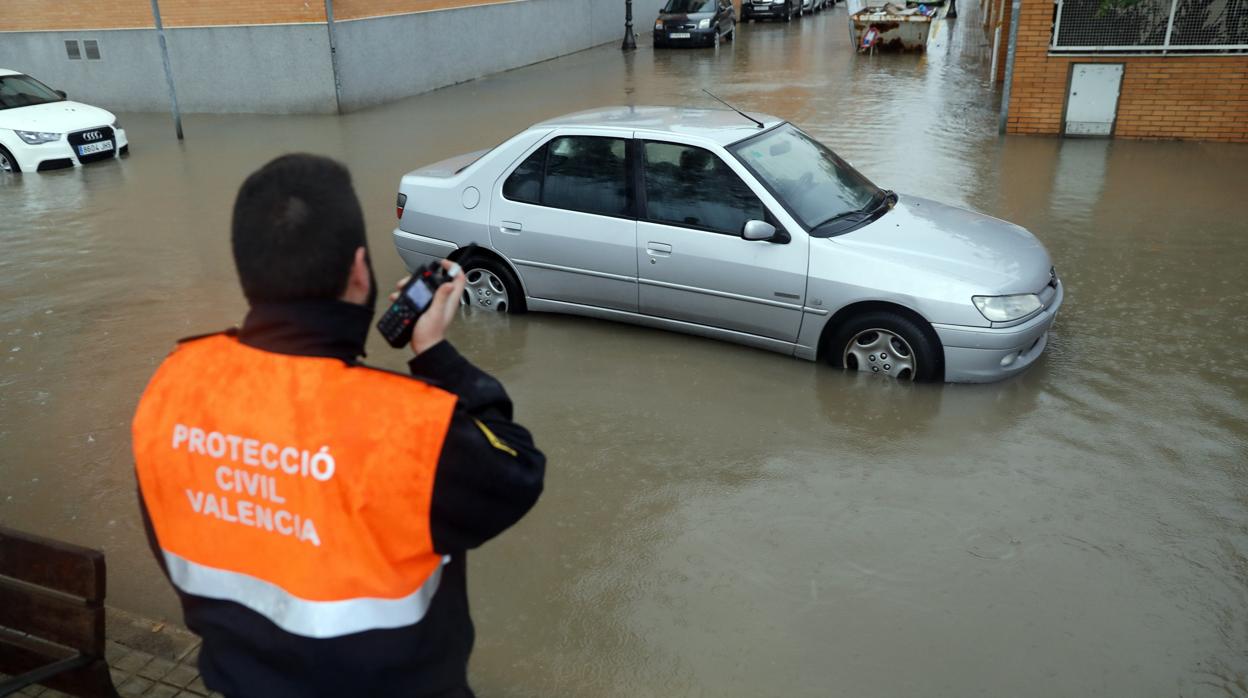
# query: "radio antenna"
x,y
717,99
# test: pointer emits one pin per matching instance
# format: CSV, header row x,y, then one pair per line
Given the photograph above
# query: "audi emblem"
x,y
92,136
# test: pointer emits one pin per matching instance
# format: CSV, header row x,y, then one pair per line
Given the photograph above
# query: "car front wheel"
x,y
491,286
888,344
7,162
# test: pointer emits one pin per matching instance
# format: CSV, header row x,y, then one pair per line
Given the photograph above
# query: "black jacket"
x,y
480,489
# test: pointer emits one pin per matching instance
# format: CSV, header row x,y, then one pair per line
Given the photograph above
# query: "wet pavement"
x,y
720,520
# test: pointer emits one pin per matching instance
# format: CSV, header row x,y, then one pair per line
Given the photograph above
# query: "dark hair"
x,y
297,224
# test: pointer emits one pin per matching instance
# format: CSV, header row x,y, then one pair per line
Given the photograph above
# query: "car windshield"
x,y
687,6
815,185
24,91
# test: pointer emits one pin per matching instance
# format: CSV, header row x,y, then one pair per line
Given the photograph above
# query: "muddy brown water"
x,y
720,520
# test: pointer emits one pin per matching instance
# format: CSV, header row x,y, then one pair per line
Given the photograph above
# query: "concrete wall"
x,y
286,68
269,69
384,58
275,68
128,76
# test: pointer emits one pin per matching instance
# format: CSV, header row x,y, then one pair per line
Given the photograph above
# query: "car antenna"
x,y
717,99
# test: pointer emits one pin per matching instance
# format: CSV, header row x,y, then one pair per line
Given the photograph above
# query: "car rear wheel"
x,y
888,344
491,286
7,162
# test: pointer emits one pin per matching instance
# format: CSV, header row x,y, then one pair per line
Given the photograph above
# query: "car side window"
x,y
589,174
692,187
525,182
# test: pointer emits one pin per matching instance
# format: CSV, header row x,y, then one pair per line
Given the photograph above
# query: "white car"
x,y
42,130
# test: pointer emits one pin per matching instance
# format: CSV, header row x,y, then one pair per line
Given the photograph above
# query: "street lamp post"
x,y
630,41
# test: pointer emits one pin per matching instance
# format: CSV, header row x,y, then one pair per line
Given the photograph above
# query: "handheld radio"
x,y
397,323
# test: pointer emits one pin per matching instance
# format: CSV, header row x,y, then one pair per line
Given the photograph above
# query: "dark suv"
x,y
770,9
695,22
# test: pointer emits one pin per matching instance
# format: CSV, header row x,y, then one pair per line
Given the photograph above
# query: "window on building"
x,y
92,47
72,50
1149,26
690,186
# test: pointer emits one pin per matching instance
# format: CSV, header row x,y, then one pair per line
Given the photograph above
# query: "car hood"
x,y
55,117
981,251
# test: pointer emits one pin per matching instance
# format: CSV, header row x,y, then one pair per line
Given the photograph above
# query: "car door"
x,y
693,263
565,216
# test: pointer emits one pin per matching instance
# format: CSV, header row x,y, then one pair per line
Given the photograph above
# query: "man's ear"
x,y
358,282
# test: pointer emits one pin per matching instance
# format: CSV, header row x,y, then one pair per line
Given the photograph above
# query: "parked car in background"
x,y
784,10
41,129
695,23
736,227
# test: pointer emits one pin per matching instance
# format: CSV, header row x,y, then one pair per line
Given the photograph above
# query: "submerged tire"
x,y
8,163
887,343
491,286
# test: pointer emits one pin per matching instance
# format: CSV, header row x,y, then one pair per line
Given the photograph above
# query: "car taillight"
x,y
399,204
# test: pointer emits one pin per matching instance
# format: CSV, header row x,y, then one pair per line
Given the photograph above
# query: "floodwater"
x,y
719,520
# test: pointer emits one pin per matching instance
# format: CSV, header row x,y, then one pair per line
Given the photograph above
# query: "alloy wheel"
x,y
5,164
880,351
483,289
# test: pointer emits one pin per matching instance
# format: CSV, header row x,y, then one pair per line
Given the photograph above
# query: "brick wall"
x,y
357,9
52,15
40,15
1163,97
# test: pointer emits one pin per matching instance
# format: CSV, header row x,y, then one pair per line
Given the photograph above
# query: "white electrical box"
x,y
1092,105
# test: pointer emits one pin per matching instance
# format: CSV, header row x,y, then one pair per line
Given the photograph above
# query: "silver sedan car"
x,y
736,227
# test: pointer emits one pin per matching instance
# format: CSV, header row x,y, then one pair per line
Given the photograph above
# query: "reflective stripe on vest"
x,y
299,616
299,487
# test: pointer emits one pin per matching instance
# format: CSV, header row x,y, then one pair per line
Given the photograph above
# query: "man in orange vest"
x,y
312,513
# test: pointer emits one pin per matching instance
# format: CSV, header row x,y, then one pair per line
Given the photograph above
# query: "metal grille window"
x,y
72,50
92,48
1150,26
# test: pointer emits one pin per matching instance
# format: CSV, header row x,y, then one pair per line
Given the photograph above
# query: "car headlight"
x,y
658,24
37,137
704,24
1007,308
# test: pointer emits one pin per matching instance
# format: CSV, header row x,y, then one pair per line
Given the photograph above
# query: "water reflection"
x,y
720,520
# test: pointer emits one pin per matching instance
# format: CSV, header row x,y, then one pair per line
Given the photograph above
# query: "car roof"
x,y
722,126
6,71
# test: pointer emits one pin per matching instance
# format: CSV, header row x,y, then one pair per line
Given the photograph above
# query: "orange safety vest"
x,y
299,487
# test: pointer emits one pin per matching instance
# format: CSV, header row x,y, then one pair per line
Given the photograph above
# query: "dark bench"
x,y
51,616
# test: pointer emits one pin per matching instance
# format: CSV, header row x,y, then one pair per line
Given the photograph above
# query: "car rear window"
x,y
578,173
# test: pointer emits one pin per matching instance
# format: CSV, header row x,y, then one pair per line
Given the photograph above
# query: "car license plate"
x,y
679,35
95,147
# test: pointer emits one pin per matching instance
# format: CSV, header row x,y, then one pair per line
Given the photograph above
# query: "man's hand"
x,y
431,327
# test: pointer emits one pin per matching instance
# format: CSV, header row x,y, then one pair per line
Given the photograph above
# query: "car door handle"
x,y
510,227
658,249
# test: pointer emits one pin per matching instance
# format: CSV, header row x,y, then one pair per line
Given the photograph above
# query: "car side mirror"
x,y
62,94
762,230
